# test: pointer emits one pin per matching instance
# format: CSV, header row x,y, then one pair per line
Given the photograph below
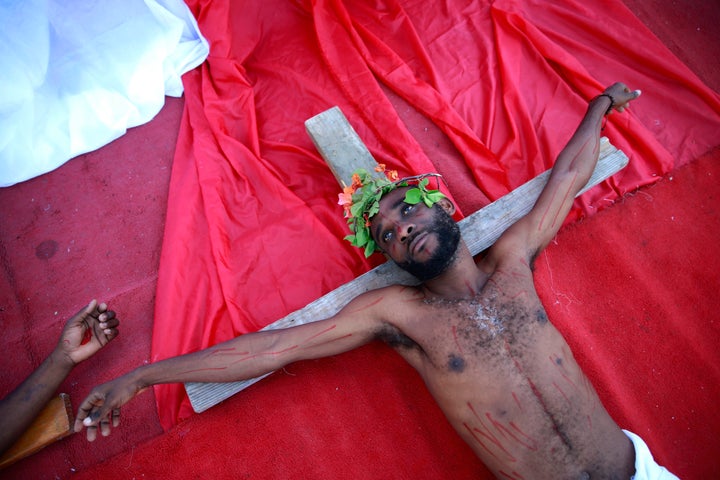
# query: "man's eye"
x,y
407,208
387,236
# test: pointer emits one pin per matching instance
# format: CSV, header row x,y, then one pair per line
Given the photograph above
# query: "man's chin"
x,y
429,269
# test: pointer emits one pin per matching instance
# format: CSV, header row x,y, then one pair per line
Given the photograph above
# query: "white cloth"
x,y
645,466
75,75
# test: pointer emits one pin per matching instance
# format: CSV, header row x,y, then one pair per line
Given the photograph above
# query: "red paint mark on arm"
x,y
332,340
547,210
565,198
265,354
230,351
330,328
581,151
213,369
369,305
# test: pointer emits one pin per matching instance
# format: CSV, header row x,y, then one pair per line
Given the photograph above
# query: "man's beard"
x,y
448,235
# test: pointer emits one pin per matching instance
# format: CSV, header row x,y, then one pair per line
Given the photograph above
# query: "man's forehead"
x,y
389,202
394,198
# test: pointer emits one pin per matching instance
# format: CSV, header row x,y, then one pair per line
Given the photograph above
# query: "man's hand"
x,y
86,333
102,405
83,335
621,96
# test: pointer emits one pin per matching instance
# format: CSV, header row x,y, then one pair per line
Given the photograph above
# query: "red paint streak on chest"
x,y
455,337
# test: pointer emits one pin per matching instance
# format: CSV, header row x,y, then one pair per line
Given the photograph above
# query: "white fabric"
x,y
75,75
645,466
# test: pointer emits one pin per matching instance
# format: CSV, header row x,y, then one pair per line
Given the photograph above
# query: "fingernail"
x,y
107,331
87,422
638,92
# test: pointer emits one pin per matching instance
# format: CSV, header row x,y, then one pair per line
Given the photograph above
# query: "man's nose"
x,y
404,231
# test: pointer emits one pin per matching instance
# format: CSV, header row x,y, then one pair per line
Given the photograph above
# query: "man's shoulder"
x,y
507,256
394,293
390,305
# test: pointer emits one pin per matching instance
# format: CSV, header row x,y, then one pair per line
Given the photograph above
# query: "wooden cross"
x,y
344,152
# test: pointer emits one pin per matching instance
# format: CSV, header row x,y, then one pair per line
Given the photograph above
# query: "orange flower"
x,y
367,220
392,175
380,167
356,182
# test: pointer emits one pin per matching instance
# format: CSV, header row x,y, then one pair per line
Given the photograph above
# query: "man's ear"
x,y
447,205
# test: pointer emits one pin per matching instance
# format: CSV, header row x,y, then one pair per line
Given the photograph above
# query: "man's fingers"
x,y
86,311
90,306
91,433
115,417
91,410
91,423
108,323
100,411
105,427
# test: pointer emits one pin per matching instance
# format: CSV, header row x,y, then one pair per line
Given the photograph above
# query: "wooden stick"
x,y
52,423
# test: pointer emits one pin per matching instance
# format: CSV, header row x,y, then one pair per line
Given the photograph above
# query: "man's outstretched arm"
x,y
20,407
571,172
244,357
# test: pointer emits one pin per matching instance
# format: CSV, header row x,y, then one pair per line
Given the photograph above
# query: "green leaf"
x,y
362,236
374,209
413,196
356,210
435,196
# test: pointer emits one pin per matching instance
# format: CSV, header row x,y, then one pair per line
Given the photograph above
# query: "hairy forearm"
x,y
19,408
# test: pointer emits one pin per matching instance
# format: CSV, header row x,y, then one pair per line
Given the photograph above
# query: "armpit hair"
x,y
395,338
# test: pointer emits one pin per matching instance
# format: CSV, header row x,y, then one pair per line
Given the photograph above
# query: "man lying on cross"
x,y
475,331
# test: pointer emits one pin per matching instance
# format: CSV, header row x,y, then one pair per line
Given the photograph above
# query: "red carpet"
x,y
632,288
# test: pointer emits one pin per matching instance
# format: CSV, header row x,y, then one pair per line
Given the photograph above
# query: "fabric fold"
x,y
77,75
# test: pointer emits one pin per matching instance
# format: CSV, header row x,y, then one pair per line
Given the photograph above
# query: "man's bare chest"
x,y
501,321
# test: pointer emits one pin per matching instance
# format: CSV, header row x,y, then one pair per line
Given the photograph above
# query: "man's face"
x,y
421,240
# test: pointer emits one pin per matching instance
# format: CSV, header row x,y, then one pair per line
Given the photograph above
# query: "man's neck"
x,y
461,280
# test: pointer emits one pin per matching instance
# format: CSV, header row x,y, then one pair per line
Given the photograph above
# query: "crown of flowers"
x,y
361,200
